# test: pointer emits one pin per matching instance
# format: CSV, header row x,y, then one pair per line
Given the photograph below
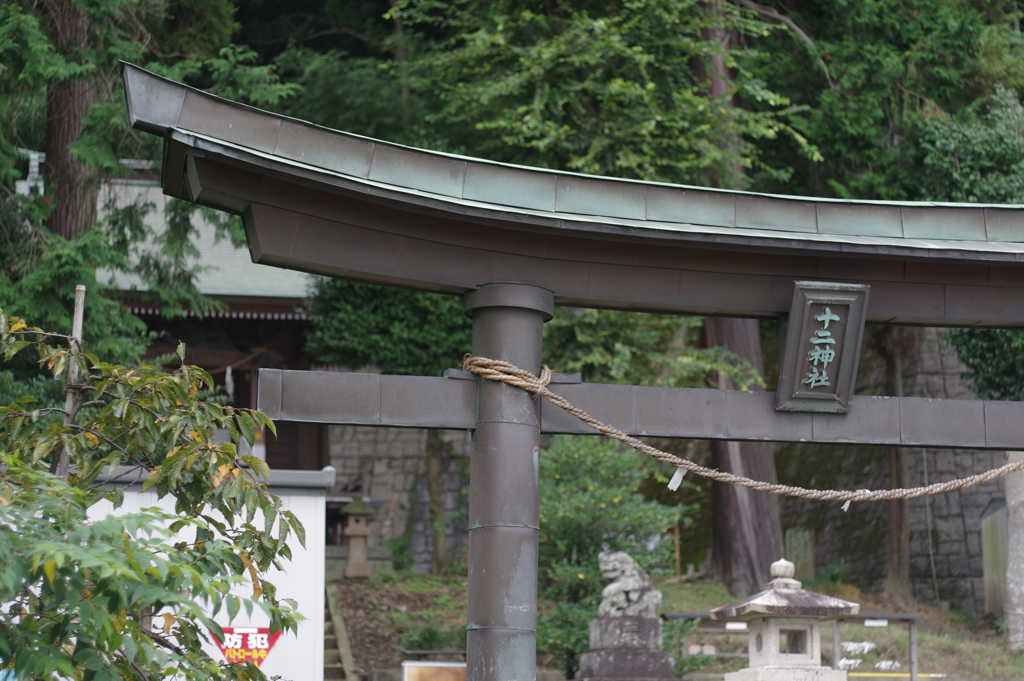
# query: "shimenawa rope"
x,y
505,372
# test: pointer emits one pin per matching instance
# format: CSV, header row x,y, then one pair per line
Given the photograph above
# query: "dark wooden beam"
x,y
450,403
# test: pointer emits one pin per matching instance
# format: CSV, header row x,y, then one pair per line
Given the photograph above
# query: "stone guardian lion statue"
x,y
629,593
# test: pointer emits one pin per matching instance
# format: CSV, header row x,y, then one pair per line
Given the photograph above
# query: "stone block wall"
x,y
860,536
388,467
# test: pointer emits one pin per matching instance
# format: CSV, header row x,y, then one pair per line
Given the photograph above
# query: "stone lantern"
x,y
357,530
784,622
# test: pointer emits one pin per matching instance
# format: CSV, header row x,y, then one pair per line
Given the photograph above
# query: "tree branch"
x,y
163,641
774,15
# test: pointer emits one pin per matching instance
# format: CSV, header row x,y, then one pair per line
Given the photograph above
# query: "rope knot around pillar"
x,y
505,372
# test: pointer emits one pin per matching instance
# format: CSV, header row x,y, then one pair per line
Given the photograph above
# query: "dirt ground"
x,y
379,612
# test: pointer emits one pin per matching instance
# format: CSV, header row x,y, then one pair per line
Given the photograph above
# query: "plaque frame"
x,y
802,325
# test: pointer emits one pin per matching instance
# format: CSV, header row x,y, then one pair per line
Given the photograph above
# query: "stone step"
x,y
328,628
334,671
330,642
331,656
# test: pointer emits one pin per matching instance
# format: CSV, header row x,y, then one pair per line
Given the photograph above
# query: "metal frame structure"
x,y
515,241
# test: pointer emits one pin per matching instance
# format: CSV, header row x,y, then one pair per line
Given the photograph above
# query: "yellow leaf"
x,y
50,568
221,476
257,586
19,326
92,438
168,622
580,575
4,500
195,436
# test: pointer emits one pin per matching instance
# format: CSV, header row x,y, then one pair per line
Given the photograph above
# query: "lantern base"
x,y
790,673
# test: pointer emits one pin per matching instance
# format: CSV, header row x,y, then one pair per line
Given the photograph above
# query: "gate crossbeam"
x,y
450,403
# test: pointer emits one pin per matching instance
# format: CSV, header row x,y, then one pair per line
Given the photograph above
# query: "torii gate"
x,y
516,241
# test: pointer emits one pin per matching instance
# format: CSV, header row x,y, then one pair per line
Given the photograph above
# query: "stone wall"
x,y
860,536
388,467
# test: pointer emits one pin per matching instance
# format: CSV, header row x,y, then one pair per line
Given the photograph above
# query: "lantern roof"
x,y
357,507
786,597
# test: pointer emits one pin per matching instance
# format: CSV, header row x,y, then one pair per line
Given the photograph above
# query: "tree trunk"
x,y
439,558
71,183
897,579
895,344
747,530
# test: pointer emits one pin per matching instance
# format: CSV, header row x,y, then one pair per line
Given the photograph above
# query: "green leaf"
x,y
247,426
259,466
296,527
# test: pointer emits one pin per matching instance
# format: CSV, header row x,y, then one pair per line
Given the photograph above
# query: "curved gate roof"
x,y
339,204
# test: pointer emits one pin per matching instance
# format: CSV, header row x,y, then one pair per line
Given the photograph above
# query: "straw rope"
x,y
504,372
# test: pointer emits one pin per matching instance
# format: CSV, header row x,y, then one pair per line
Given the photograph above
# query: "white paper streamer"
x,y
677,479
846,506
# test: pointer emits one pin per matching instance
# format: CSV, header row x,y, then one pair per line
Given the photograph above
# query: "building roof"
x,y
227,271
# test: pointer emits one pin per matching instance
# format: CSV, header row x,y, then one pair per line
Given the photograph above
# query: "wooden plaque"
x,y
822,347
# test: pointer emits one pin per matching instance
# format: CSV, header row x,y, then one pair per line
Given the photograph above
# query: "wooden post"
x,y
913,650
836,655
70,396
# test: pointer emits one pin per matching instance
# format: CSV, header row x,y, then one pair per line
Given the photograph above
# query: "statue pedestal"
x,y
625,649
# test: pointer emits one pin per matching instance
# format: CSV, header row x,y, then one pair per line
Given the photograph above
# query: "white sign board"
x,y
292,657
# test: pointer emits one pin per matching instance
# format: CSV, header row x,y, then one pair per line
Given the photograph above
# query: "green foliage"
x,y
635,348
675,632
395,330
602,88
79,593
200,27
232,74
40,271
589,503
995,358
963,616
893,65
565,635
362,96
432,637
977,156
400,549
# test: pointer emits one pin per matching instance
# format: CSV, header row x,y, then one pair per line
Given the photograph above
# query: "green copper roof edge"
x,y
154,102
1010,252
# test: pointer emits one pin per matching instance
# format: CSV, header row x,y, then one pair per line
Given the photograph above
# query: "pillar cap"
x,y
511,294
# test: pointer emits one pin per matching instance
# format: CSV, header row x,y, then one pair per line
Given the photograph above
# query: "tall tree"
x,y
67,102
896,344
746,528
747,535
